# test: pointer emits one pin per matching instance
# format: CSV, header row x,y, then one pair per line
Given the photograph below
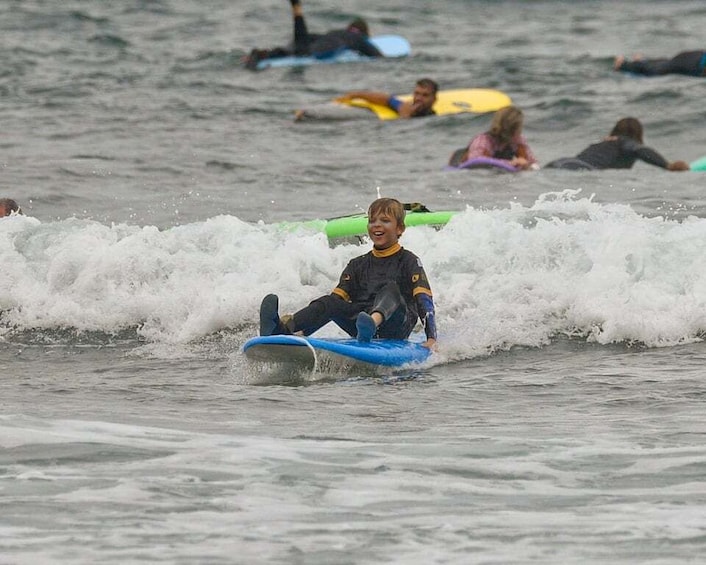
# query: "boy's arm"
x,y
425,307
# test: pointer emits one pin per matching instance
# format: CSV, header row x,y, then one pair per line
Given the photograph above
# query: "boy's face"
x,y
383,230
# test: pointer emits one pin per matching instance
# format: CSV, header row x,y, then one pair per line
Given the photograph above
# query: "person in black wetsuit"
x,y
382,293
354,37
691,63
619,150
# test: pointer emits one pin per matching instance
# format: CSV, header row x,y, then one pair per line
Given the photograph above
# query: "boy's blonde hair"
x,y
389,207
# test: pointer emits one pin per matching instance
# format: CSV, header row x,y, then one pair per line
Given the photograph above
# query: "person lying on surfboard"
x,y
503,141
619,150
353,37
423,99
690,63
380,294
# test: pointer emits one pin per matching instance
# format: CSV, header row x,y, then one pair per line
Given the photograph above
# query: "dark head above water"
x,y
8,206
628,127
360,25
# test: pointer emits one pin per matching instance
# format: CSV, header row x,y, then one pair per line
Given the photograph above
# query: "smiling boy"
x,y
380,294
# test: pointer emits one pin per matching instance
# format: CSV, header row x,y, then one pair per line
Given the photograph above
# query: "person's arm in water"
x,y
652,157
678,166
525,159
363,46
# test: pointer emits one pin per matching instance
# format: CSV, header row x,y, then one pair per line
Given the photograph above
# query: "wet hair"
x,y
428,83
9,206
388,207
628,127
506,124
361,25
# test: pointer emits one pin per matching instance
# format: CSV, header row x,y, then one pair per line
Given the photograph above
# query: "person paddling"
x,y
354,37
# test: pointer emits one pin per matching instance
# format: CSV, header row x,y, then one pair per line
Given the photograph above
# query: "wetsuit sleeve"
x,y
423,298
364,47
425,307
644,153
394,103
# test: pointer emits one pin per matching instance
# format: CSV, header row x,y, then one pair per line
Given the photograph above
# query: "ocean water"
x,y
561,420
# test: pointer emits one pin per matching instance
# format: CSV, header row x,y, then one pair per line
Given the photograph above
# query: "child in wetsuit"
x,y
382,293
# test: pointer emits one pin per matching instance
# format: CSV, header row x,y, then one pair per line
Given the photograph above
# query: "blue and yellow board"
x,y
457,101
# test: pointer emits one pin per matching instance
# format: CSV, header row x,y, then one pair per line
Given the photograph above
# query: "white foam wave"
x,y
502,277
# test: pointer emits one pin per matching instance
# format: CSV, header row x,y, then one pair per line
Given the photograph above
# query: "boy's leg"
x,y
269,317
322,311
398,322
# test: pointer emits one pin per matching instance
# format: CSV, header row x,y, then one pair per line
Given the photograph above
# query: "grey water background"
x,y
118,448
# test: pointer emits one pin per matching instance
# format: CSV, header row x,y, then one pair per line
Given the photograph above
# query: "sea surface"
x,y
562,419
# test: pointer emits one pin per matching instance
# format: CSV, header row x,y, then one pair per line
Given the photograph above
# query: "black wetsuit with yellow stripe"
x,y
390,281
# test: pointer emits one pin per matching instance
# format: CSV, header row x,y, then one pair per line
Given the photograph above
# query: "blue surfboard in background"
x,y
392,46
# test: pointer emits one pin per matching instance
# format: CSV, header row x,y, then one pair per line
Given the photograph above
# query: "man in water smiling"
x,y
382,293
421,104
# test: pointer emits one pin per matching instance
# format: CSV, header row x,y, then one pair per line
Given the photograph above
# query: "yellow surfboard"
x,y
473,100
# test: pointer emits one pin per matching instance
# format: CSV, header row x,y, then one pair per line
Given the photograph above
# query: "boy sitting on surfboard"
x,y
382,293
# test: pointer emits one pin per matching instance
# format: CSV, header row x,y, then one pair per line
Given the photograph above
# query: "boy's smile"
x,y
383,231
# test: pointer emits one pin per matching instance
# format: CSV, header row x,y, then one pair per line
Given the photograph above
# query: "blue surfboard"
x,y
391,46
310,351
